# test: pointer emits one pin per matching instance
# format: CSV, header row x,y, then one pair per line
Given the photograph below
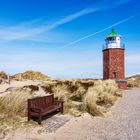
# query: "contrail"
x,y
26,30
90,35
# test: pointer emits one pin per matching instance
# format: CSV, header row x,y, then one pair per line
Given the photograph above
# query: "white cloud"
x,y
100,31
132,62
132,59
51,63
27,29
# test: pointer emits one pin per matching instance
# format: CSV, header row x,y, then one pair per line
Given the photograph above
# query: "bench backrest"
x,y
41,102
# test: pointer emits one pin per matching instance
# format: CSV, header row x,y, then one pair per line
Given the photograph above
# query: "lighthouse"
x,y
113,59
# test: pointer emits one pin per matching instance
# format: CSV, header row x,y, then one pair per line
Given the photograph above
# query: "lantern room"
x,y
113,40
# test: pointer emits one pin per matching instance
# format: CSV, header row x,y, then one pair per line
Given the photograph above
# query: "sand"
x,y
16,84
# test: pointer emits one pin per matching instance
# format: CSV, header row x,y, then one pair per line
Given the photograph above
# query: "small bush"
x,y
32,87
134,82
101,96
3,75
15,101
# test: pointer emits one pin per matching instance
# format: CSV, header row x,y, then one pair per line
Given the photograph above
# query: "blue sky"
x,y
64,38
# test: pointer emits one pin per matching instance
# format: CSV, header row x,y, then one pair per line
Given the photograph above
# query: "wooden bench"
x,y
42,106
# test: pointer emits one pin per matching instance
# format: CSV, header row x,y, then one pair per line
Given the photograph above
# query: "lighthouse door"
x,y
115,75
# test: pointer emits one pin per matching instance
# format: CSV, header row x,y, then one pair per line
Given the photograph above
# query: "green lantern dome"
x,y
113,33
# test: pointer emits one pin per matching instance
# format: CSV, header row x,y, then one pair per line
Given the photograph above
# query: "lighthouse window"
x,y
113,38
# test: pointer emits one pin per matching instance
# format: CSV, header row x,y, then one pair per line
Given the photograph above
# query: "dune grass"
x,y
94,96
79,96
15,101
13,110
30,75
100,97
134,81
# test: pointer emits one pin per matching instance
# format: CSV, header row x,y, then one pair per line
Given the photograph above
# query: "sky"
x,y
64,39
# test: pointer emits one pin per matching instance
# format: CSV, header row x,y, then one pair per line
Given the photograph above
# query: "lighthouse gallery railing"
x,y
121,46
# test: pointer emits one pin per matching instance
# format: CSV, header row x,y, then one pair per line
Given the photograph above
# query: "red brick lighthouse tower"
x,y
113,59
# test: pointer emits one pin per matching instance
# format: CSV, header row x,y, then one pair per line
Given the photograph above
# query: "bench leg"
x,y
39,120
29,116
61,110
62,107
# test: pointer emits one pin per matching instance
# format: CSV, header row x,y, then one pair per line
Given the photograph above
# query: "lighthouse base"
x,y
122,84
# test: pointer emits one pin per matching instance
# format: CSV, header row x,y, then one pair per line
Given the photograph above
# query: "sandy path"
x,y
122,123
16,84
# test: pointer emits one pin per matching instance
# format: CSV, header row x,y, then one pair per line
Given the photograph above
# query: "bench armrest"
x,y
59,103
38,110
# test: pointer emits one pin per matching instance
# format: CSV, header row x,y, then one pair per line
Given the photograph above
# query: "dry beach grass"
x,y
101,96
80,95
97,95
85,95
134,81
